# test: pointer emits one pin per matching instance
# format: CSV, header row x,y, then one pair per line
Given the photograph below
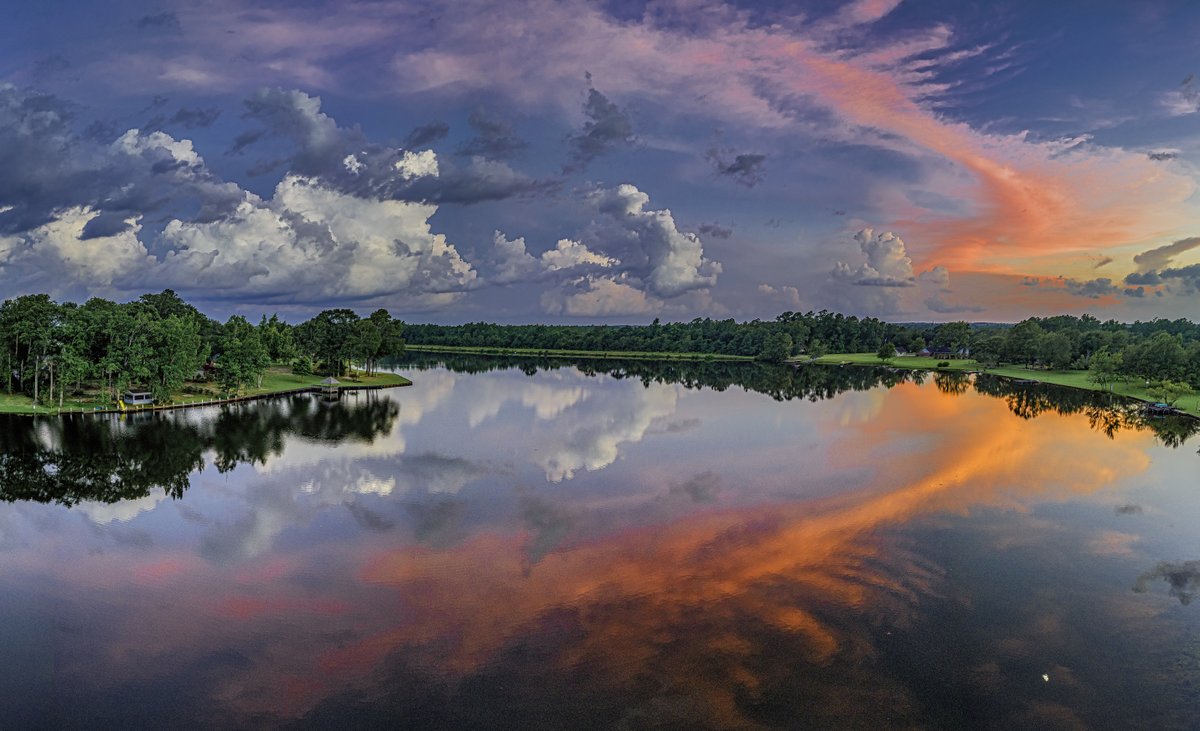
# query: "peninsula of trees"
x,y
92,352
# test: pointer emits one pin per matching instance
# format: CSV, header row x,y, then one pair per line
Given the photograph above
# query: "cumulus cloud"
x,y
510,260
744,168
885,282
788,295
938,275
887,263
598,296
649,244
310,241
568,254
605,128
494,138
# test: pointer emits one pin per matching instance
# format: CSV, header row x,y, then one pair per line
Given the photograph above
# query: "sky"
x,y
535,161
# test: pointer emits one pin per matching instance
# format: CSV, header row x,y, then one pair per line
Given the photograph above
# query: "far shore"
x,y
1189,405
277,381
560,353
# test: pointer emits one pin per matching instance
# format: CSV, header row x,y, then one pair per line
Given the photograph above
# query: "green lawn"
x,y
1073,379
277,379
915,362
558,352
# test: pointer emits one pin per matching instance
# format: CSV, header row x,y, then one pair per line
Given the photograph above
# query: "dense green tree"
x,y
776,348
278,338
330,336
1023,342
886,352
953,335
1104,369
1054,350
243,357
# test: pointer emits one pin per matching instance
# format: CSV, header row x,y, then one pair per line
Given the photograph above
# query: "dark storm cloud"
x,y
744,168
1183,579
104,225
1161,256
48,167
245,139
195,117
606,128
1136,292
320,143
494,138
715,230
343,159
1129,509
1162,156
165,21
1187,277
1093,288
426,133
479,181
1150,278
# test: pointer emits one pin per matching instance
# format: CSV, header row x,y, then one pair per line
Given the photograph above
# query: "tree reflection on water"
x,y
105,458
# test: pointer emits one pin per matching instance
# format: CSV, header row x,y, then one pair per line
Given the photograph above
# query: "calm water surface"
x,y
547,545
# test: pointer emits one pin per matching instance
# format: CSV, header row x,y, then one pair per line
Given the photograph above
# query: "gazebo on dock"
x,y
329,386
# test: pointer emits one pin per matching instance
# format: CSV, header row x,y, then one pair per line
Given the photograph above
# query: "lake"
x,y
545,544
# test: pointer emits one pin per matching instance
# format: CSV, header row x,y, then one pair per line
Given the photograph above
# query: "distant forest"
x,y
1159,350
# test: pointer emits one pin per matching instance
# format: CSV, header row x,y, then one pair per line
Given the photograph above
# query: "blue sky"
x,y
575,161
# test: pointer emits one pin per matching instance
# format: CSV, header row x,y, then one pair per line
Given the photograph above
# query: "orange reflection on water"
x,y
675,599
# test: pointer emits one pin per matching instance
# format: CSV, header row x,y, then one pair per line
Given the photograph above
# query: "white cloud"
x,y
651,246
417,164
568,254
596,296
311,241
789,295
887,263
56,258
512,262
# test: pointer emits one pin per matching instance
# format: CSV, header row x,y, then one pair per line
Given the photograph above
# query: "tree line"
x,y
158,342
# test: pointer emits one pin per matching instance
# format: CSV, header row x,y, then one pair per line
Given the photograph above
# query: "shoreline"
x,y
1067,379
563,353
22,406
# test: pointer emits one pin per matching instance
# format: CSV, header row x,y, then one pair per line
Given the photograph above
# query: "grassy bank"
x,y
277,379
559,353
1072,379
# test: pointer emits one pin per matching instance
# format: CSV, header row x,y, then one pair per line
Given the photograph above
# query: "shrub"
x,y
943,364
304,366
